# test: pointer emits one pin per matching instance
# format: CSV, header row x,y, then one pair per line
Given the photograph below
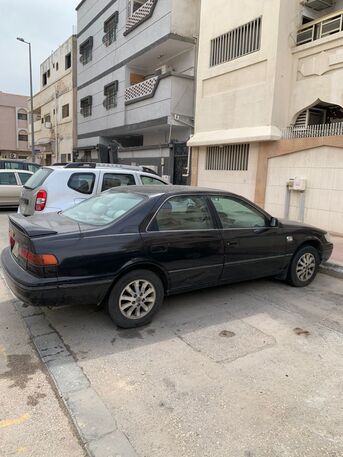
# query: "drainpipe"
x,y
56,130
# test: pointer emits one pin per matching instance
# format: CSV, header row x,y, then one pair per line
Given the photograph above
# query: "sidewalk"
x,y
337,255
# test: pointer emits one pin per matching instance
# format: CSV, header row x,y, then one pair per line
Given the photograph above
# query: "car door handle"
x,y
159,249
232,243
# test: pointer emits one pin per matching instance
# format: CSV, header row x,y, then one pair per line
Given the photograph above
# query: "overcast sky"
x,y
45,23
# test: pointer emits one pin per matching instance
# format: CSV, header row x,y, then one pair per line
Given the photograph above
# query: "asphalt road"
x,y
249,370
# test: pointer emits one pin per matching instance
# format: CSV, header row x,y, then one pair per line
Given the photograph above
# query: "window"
x,y
116,179
234,157
33,167
86,106
47,118
110,92
82,182
7,179
149,181
24,177
134,5
234,213
65,111
22,116
67,61
38,178
45,77
86,51
183,213
110,29
236,43
104,208
13,165
23,137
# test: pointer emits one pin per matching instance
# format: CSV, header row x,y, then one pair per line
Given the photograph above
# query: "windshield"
x,y
38,178
104,209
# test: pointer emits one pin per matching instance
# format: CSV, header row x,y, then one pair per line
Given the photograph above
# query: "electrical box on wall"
x,y
297,184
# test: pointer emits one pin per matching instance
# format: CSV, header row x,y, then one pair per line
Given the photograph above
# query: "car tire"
x,y
303,267
135,298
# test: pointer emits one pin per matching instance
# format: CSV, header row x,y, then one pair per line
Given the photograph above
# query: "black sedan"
x,y
130,247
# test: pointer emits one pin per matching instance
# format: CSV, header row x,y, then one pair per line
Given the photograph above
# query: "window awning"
x,y
234,136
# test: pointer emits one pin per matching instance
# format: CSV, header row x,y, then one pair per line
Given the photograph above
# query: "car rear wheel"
x,y
304,267
135,298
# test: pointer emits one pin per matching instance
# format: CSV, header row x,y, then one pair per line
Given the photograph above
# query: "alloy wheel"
x,y
306,267
137,299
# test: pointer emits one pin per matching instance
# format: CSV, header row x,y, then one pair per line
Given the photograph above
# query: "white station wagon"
x,y
53,189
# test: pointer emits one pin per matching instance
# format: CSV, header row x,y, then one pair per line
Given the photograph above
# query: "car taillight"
x,y
40,260
11,237
41,200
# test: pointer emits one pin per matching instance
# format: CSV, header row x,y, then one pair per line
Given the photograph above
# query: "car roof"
x,y
153,191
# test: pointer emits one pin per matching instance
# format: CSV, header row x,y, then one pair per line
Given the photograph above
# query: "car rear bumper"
x,y
36,291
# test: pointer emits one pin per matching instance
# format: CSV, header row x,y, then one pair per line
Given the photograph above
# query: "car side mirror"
x,y
274,222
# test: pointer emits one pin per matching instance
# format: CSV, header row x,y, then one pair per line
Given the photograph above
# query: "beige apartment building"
x,y
269,106
14,127
55,113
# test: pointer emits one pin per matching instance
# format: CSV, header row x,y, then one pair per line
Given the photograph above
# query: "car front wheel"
x,y
304,267
135,298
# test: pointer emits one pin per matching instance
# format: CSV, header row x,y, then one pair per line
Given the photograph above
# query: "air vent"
x,y
319,5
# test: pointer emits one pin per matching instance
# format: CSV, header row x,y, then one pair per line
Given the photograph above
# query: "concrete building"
x,y
54,106
136,82
269,105
14,127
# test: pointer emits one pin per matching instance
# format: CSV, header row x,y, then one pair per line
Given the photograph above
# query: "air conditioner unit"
x,y
48,125
319,5
162,70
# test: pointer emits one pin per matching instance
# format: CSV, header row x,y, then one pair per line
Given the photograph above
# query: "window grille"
x,y
236,43
110,29
233,157
86,51
86,106
110,92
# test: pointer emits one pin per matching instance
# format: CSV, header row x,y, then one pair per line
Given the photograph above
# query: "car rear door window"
x,y
149,181
13,165
117,179
235,213
24,177
183,213
82,182
7,179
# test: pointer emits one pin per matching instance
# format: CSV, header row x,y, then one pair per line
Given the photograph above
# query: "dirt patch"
x,y
227,334
33,400
21,368
300,332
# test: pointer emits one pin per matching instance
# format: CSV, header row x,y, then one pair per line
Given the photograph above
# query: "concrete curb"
x,y
332,269
94,423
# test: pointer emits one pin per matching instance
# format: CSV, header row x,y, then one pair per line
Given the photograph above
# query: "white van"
x,y
53,189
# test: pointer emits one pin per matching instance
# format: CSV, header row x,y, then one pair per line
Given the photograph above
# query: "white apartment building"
x,y
269,105
55,106
136,82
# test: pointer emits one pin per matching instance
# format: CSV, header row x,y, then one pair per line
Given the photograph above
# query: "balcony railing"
x,y
142,14
313,131
141,91
321,28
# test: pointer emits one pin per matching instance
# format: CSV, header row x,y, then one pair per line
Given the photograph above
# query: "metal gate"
x,y
180,154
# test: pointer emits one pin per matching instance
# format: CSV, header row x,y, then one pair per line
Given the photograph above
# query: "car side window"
x,y
82,182
149,181
182,213
24,177
32,167
7,179
117,179
235,213
12,165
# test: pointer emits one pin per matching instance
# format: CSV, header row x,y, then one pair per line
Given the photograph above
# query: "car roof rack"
x,y
109,165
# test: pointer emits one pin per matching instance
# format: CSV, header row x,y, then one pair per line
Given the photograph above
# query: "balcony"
x,y
321,28
313,131
168,96
141,91
140,15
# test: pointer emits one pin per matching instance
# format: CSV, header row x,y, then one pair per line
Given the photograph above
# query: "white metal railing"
x,y
325,26
312,131
140,15
141,90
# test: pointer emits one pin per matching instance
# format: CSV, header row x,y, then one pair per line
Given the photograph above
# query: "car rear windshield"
x,y
38,178
104,208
